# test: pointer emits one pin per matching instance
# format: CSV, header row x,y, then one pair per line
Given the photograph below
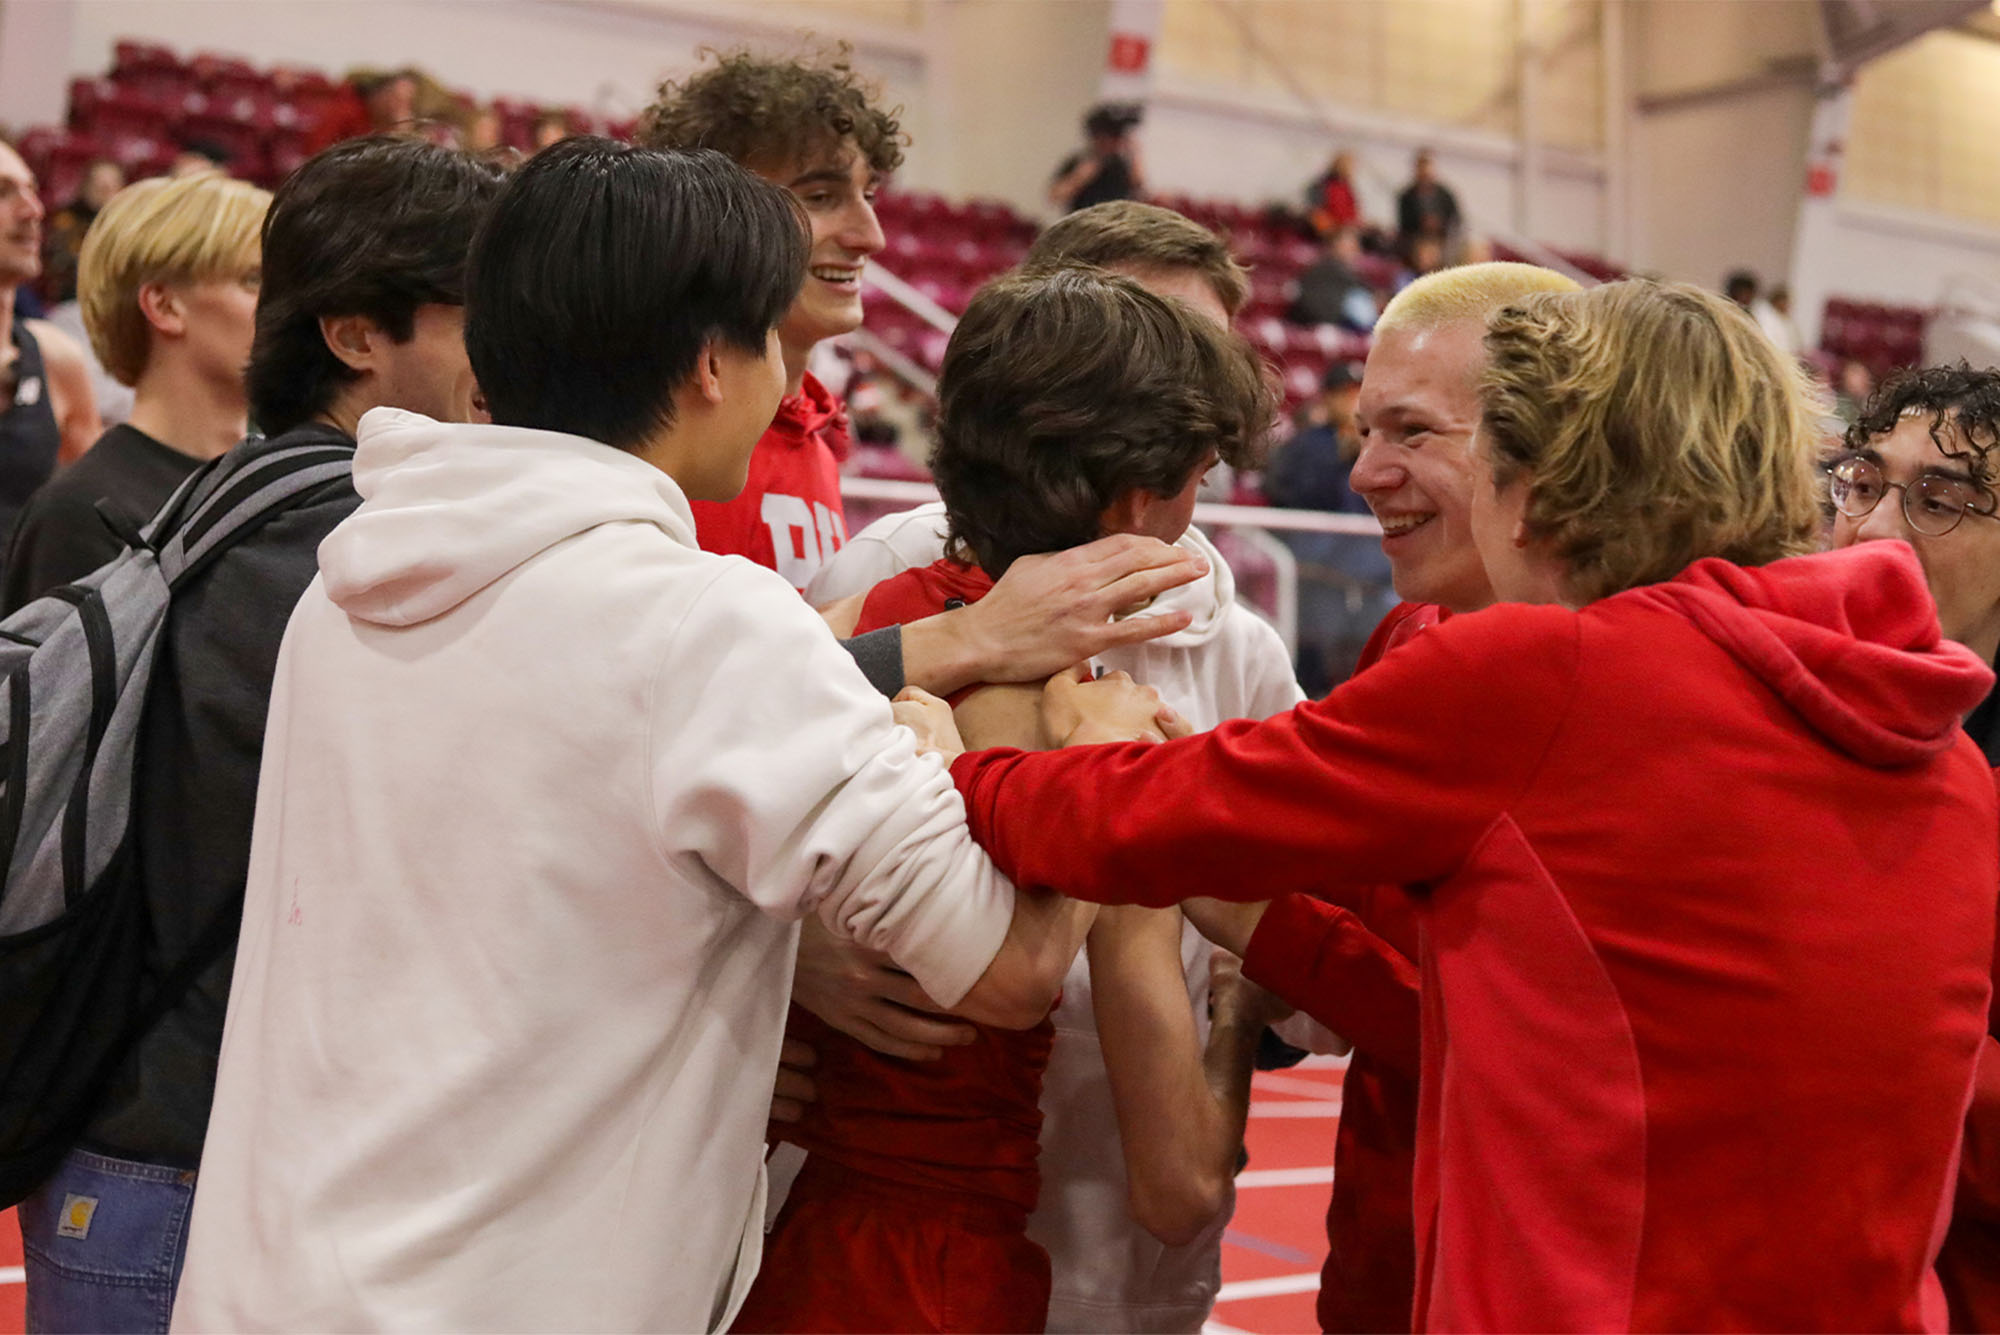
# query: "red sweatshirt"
x,y
1705,872
1363,985
788,517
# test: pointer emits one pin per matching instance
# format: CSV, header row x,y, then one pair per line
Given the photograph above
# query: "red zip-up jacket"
x,y
788,517
1705,873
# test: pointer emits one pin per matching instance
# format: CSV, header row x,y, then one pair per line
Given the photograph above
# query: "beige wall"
x,y
1924,126
1009,83
1714,179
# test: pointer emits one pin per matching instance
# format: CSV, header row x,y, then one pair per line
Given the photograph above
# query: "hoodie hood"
x,y
447,509
1849,639
813,411
1207,599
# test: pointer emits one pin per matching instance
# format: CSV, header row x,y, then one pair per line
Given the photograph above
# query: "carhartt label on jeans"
x,y
77,1212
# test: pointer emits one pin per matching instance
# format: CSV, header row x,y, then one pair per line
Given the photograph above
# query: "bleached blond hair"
x,y
1468,292
189,229
1654,424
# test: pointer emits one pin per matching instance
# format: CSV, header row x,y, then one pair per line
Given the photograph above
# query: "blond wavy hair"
x,y
188,229
1655,425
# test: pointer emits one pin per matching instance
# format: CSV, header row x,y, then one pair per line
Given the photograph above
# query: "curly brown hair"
x,y
1963,406
766,113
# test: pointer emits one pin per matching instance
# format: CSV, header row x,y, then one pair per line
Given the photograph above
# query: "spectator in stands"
x,y
1741,287
50,414
813,127
363,269
506,1017
1853,389
1688,815
199,155
1421,257
1330,201
1426,210
369,102
169,298
1108,168
1344,589
483,131
1331,291
550,129
102,179
1774,316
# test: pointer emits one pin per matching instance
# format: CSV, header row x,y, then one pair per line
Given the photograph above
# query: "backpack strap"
x,y
200,522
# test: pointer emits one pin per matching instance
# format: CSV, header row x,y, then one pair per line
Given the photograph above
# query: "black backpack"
x,y
74,667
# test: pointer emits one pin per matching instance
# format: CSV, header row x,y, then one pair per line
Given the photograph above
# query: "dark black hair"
x,y
1063,390
604,269
1963,408
1739,280
376,227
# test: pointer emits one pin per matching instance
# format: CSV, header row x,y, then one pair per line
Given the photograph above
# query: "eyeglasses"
x,y
1933,504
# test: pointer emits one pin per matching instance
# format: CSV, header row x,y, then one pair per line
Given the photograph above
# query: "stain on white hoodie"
x,y
545,791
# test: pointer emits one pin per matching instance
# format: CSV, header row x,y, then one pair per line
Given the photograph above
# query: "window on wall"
x,y
1445,62
1922,129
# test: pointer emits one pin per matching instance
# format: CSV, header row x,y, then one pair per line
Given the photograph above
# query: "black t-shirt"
x,y
1113,181
61,537
1983,724
201,741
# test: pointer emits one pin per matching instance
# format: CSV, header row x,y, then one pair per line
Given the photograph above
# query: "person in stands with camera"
x,y
1106,170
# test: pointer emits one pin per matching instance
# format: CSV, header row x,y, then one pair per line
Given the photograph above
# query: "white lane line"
x,y
13,1274
1283,1084
1214,1327
1286,1177
1274,1287
1330,1108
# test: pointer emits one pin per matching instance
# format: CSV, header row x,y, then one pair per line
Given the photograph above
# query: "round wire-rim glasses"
x,y
1933,504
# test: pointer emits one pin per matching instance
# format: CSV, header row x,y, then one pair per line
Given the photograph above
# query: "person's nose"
x,y
1376,469
861,231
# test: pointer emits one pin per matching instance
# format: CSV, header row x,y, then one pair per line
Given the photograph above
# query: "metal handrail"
x,y
1271,517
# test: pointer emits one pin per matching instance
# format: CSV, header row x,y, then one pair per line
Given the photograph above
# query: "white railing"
x,y
1256,524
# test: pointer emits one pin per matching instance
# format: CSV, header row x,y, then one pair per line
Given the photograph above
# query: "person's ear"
x,y
163,309
708,373
357,340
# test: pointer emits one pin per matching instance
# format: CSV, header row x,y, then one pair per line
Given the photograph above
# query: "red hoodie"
x,y
788,517
1705,872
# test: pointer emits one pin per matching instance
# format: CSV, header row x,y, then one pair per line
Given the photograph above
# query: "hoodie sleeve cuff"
x,y
879,655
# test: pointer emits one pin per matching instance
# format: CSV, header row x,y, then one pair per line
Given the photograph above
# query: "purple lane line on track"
x,y
1277,1251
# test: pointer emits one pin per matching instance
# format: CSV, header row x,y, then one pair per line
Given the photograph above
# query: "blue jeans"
x,y
105,1239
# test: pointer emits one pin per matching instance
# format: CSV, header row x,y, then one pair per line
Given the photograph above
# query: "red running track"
x,y
1272,1253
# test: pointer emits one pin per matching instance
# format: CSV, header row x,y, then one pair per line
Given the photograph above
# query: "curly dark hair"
x,y
765,113
1063,390
1964,410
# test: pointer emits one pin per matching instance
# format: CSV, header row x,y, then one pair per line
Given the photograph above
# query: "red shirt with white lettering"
x,y
971,1121
788,517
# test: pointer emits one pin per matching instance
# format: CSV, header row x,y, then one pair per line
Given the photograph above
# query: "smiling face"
x,y
838,194
1962,566
1418,415
20,220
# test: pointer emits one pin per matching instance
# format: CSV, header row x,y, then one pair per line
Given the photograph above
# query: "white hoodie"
x,y
544,791
1107,1272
